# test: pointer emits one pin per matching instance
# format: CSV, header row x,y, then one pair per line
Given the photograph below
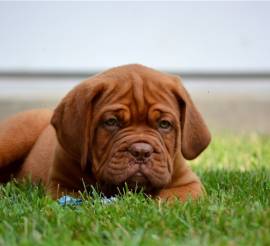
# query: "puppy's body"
x,y
18,135
130,124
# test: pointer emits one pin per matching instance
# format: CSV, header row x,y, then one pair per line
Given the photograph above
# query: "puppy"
x,y
129,125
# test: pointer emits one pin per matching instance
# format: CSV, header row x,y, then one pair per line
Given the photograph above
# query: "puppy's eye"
x,y
164,124
111,122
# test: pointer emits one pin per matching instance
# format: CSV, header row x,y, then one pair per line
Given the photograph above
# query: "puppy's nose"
x,y
141,151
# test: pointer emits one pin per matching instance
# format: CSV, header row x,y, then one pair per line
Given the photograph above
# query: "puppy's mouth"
x,y
137,175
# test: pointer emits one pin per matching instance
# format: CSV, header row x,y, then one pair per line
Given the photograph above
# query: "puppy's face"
x,y
136,133
129,124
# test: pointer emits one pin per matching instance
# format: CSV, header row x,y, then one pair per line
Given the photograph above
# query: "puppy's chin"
x,y
138,181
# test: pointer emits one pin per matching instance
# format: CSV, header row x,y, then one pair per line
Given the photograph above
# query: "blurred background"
x,y
220,49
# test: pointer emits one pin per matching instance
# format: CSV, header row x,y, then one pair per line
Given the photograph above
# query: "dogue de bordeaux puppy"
x,y
130,125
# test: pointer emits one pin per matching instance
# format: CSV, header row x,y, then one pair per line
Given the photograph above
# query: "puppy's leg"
x,y
18,134
185,185
192,191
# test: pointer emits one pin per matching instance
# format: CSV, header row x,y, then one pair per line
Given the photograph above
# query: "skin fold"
x,y
130,125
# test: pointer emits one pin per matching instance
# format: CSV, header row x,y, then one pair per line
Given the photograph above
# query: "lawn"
x,y
235,171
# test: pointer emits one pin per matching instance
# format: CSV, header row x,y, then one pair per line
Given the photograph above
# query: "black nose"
x,y
141,151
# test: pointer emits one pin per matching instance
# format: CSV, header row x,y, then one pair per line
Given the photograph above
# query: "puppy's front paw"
x,y
183,193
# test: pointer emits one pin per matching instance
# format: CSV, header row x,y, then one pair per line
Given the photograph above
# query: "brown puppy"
x,y
130,124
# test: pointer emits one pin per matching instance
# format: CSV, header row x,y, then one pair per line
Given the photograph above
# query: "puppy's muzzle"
x,y
141,152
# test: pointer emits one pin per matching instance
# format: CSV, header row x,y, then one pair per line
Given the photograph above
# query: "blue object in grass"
x,y
68,200
106,200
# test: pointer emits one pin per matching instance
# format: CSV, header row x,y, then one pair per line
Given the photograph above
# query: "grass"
x,y
235,171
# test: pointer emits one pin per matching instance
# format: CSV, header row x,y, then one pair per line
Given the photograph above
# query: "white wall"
x,y
204,36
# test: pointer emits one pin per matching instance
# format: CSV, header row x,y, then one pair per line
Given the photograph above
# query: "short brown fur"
x,y
73,147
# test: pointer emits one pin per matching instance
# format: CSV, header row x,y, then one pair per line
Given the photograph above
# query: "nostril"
x,y
147,154
136,153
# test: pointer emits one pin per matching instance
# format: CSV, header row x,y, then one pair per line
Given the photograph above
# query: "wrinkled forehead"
x,y
139,92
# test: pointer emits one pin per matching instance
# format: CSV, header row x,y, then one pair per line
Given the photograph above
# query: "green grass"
x,y
235,171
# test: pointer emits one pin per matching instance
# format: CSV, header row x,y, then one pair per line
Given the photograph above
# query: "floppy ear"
x,y
72,119
195,135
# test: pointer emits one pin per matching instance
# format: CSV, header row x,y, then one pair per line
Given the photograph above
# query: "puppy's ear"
x,y
72,119
195,135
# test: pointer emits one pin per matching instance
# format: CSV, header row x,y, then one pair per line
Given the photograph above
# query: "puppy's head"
x,y
129,124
